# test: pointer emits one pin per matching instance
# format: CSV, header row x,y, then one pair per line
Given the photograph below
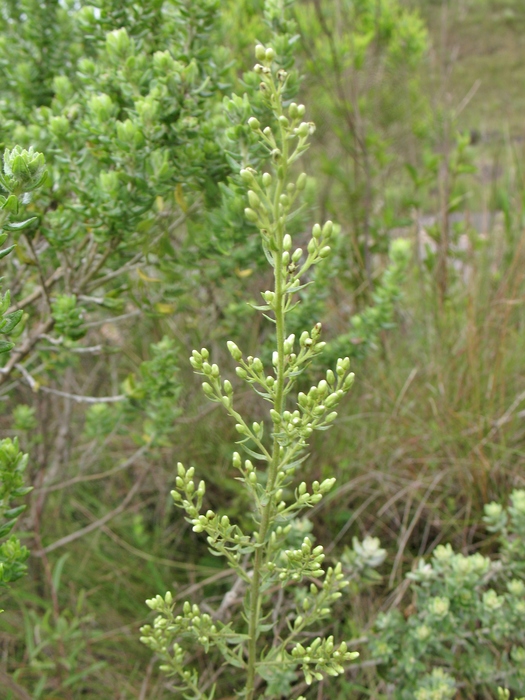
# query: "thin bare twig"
x,y
100,475
100,522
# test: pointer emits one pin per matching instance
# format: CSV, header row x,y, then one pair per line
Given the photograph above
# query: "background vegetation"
x,y
133,250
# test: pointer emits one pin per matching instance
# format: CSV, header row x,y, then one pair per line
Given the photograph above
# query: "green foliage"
x,y
466,618
155,393
23,172
12,467
68,316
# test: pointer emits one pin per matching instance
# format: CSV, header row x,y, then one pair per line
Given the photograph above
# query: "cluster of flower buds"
x,y
187,495
167,627
305,561
322,656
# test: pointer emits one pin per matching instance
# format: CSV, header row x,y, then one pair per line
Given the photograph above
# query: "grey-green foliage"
x,y
263,653
466,620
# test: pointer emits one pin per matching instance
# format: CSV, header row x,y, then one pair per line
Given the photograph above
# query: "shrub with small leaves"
x,y
466,618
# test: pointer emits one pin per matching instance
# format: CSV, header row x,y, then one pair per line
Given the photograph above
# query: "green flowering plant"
x,y
264,654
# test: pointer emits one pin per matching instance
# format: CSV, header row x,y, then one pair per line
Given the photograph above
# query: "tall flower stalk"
x,y
267,560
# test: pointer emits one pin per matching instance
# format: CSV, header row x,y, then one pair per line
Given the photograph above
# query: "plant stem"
x,y
279,310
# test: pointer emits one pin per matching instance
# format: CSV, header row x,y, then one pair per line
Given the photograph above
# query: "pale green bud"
x,y
348,383
252,478
254,200
267,179
247,175
301,109
251,215
269,54
234,350
241,373
283,121
297,255
180,470
331,400
287,242
254,123
327,485
268,297
257,366
301,182
227,385
303,130
236,460
260,52
285,258
275,416
328,229
316,231
293,111
325,251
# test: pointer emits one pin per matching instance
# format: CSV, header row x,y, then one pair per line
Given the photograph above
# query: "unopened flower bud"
x,y
267,179
207,389
328,229
234,350
251,215
269,54
303,130
254,200
247,175
254,123
260,52
301,182
325,251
